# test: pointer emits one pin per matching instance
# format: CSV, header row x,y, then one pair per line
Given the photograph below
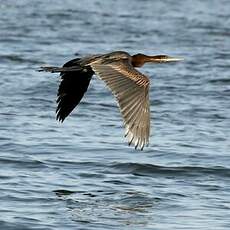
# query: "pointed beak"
x,y
164,59
171,59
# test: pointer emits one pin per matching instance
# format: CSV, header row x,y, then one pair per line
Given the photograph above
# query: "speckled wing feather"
x,y
131,89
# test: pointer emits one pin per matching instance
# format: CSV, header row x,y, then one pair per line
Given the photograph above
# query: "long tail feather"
x,y
53,69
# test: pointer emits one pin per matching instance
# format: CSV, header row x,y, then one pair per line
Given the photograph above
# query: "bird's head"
x,y
139,60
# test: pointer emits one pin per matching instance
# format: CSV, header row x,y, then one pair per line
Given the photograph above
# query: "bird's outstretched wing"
x,y
131,89
74,83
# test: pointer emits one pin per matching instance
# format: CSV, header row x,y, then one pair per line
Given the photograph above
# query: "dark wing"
x,y
74,84
131,89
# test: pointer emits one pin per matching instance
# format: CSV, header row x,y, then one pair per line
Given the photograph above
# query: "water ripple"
x,y
81,174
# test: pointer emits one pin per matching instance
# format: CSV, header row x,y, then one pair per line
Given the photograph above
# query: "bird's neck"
x,y
139,60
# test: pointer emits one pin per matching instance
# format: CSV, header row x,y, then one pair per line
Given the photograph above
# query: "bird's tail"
x,y
54,69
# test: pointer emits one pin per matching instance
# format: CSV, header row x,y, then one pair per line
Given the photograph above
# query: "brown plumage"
x,y
129,86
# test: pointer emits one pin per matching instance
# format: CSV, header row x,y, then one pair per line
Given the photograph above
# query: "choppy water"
x,y
81,174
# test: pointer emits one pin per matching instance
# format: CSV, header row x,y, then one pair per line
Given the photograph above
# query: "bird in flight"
x,y
129,86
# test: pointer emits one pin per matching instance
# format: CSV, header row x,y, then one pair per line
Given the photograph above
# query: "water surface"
x,y
81,174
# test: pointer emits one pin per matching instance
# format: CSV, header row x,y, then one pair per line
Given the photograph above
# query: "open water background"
x,y
81,174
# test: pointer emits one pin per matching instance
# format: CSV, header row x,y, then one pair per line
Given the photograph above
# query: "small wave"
x,y
149,170
18,59
24,163
221,81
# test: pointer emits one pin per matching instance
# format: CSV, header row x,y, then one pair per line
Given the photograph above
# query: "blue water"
x,y
81,174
